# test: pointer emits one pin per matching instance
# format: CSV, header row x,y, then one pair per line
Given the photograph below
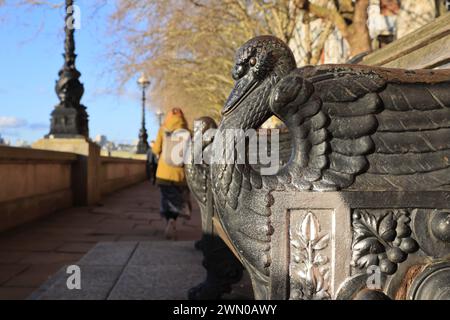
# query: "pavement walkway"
x,y
32,253
145,270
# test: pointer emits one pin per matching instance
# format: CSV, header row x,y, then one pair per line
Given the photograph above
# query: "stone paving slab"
x,y
166,253
30,254
96,284
9,270
109,254
15,293
160,270
33,276
131,271
164,282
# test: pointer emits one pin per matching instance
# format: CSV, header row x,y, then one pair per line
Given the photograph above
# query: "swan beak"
x,y
242,88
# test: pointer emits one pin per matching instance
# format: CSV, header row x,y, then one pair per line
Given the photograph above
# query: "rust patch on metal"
x,y
410,276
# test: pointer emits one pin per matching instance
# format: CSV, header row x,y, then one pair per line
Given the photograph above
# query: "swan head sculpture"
x,y
260,62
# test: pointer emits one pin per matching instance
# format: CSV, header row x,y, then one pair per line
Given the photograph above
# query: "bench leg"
x,y
222,270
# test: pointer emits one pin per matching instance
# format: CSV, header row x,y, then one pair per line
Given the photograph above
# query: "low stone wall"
x,y
118,173
33,183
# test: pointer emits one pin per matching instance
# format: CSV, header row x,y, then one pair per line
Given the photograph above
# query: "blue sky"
x,y
31,47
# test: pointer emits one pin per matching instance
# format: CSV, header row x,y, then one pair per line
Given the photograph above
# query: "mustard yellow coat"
x,y
165,171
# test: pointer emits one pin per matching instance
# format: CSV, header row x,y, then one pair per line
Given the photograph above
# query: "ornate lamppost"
x,y
69,119
160,116
142,146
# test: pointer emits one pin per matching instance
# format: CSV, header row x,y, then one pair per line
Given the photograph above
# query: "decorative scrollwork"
x,y
383,239
311,270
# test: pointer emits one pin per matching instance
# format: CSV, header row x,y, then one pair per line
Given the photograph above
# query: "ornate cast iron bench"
x,y
362,208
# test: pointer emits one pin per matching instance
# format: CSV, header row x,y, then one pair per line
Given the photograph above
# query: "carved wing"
x,y
197,173
366,128
196,177
248,224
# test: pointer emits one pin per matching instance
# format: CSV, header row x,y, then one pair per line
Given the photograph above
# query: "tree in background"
x,y
188,46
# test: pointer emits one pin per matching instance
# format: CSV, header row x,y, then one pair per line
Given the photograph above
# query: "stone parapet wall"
x,y
117,173
34,183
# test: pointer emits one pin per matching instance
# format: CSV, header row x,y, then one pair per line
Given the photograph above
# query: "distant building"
x,y
101,140
5,142
131,148
109,146
104,143
22,143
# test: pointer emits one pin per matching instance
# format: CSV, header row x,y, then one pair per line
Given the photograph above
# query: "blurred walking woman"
x,y
170,173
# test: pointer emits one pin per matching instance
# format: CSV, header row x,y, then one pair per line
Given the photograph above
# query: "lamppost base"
x,y
142,148
69,122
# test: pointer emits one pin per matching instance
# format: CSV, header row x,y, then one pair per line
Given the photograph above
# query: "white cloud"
x,y
11,122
